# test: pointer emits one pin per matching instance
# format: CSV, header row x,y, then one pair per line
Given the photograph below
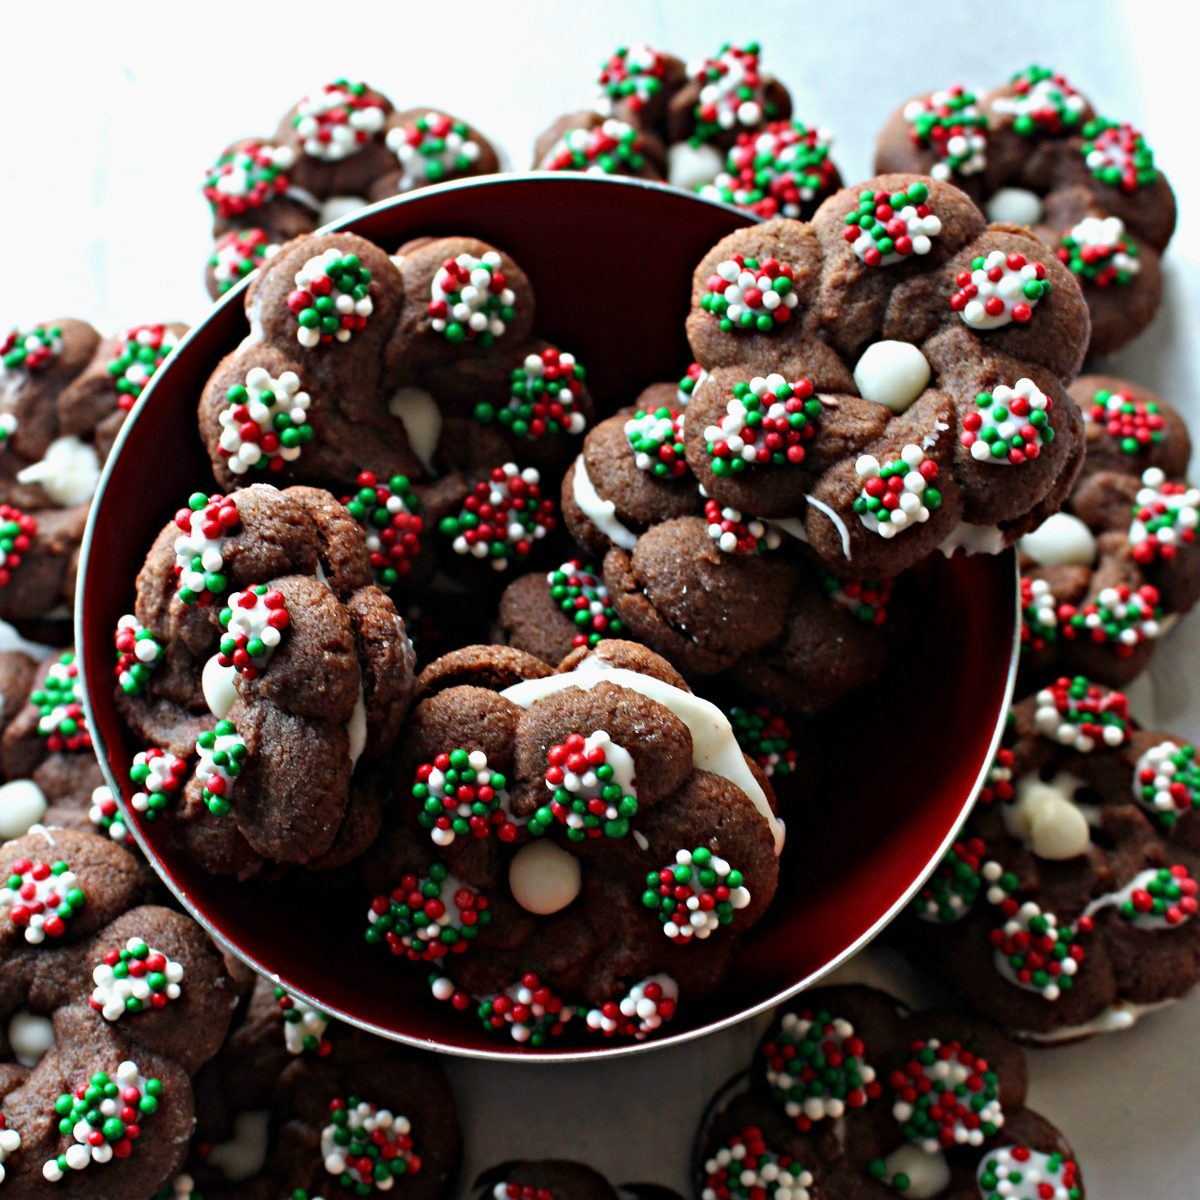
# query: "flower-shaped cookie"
x,y
850,1095
260,651
340,147
1033,152
1103,580
578,846
891,376
1067,906
111,1006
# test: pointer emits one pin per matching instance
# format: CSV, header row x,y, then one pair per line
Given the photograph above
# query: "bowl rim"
x,y
599,1052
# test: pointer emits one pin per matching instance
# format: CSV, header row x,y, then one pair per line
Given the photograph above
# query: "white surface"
x,y
114,119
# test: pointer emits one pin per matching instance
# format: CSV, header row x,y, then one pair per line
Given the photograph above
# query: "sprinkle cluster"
x,y
1020,1173
337,121
766,423
32,350
387,510
999,288
138,653
692,379
637,1014
1100,252
106,816
431,149
1121,617
59,701
528,1009
886,229
867,599
222,755
471,300
1158,898
592,793
367,1148
695,895
140,353
1039,615
17,531
103,1118
951,891
632,75
254,623
766,738
656,439
544,392
206,522
816,1068
1117,154
581,594
461,796
237,253
732,93
946,1096
426,917
1167,781
736,533
1165,516
897,495
41,898
303,1026
332,298
1135,425
502,517
1009,425
157,776
1042,102
612,148
998,783
248,175
1076,712
133,979
775,172
950,124
745,1169
266,424
750,295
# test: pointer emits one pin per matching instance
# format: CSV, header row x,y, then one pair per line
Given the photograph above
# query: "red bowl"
x,y
609,260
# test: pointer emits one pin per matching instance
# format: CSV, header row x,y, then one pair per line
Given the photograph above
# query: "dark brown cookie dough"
x,y
1033,152
839,1102
1067,907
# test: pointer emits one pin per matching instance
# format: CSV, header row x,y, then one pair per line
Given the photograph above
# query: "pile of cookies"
x,y
527,672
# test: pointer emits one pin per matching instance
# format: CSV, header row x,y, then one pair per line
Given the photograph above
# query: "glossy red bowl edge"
x,y
973,602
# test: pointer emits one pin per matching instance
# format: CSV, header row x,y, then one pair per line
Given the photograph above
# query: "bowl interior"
x,y
898,763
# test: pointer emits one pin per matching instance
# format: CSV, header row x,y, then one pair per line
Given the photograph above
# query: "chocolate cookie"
x,y
851,1096
1066,907
599,145
256,630
114,1005
886,374
557,1178
553,826
1033,152
1103,580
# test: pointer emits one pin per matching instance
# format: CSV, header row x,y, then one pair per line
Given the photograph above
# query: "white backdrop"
x,y
111,119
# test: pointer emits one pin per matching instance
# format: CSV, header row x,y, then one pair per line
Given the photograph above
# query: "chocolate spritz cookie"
x,y
1033,152
64,392
556,1179
340,147
889,378
267,677
1067,906
1103,580
851,1096
110,1006
580,847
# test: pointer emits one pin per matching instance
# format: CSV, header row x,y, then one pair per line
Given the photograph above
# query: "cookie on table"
x,y
64,392
111,1005
1033,152
850,1095
1103,580
339,148
1066,908
599,145
602,838
257,631
890,377
557,1178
